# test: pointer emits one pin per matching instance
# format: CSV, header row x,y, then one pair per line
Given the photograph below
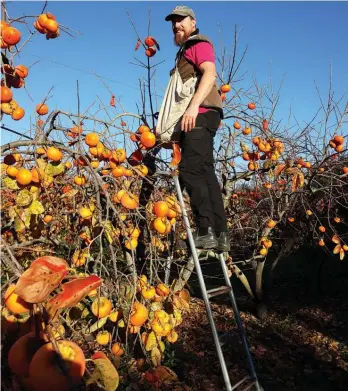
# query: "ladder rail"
x,y
239,322
213,292
202,284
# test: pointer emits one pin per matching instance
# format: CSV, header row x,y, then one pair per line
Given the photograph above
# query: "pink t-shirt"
x,y
199,53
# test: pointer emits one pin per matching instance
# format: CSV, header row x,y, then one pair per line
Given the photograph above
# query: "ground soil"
x,y
300,345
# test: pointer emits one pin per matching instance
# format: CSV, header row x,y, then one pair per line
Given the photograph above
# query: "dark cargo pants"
x,y
197,173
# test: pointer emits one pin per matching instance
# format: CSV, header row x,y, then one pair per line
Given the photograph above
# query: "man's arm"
x,y
206,83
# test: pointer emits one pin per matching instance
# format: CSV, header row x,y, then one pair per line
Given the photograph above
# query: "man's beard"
x,y
180,40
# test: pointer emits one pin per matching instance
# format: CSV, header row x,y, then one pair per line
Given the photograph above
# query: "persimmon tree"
x,y
73,191
89,231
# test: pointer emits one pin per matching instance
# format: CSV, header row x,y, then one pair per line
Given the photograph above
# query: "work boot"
x,y
223,242
205,239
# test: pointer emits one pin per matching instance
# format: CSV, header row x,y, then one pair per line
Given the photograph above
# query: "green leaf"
x,y
54,169
19,224
267,164
12,212
156,357
35,192
9,183
36,208
24,198
47,180
162,346
151,342
156,305
23,317
97,325
110,231
41,163
106,373
26,216
121,324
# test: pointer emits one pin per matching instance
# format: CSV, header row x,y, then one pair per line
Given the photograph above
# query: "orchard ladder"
x,y
251,380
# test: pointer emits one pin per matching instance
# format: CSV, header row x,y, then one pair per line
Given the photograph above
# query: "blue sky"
x,y
299,39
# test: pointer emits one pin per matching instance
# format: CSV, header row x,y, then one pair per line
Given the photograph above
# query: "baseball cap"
x,y
181,10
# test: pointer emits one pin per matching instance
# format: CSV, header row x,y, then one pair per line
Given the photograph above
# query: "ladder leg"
x,y
239,323
203,288
167,271
170,258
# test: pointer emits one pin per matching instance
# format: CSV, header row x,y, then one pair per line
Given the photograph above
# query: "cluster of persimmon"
x,y
151,45
146,312
114,166
337,143
223,90
9,105
340,247
265,243
271,148
300,163
47,24
25,176
160,322
165,217
113,159
144,138
13,75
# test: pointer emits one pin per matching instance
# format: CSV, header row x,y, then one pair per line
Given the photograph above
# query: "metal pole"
x,y
170,257
239,322
202,285
167,271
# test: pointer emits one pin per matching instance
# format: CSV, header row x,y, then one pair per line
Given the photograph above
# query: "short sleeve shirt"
x,y
198,54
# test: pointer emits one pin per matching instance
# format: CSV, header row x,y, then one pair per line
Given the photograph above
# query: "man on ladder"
x,y
190,114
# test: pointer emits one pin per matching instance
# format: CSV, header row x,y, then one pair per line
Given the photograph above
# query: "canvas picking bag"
x,y
177,98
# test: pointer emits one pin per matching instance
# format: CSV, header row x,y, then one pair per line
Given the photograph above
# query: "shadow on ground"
x,y
302,343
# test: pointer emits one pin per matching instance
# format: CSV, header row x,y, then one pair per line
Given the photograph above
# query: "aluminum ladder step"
x,y
221,290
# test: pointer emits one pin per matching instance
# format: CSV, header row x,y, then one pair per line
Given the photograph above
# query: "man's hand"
x,y
188,121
